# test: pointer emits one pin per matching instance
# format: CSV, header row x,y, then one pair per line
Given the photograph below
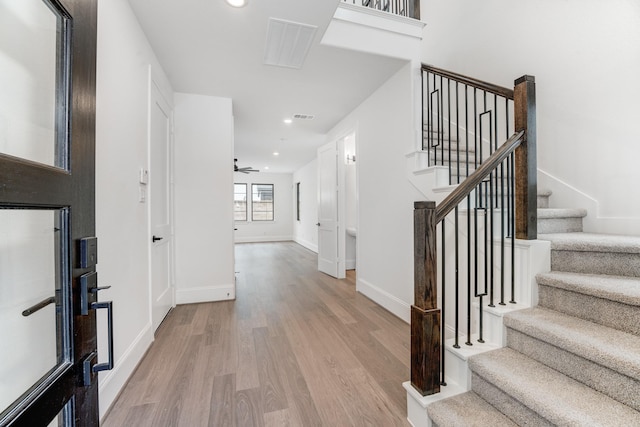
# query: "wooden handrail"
x,y
469,184
489,87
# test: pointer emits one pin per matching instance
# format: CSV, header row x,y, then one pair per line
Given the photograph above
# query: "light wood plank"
x,y
273,394
247,373
249,409
223,402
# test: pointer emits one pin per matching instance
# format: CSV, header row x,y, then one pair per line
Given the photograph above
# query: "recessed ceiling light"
x,y
266,167
288,121
237,3
275,153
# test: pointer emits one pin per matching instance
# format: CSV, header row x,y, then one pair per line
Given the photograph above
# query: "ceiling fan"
x,y
242,170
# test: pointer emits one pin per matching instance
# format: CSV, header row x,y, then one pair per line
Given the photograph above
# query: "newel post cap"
x,y
424,205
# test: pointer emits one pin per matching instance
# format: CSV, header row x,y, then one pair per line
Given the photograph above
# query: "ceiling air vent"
x,y
288,43
303,116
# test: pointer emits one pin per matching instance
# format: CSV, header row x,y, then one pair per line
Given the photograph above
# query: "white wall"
x,y
203,198
281,228
384,126
305,231
585,57
123,62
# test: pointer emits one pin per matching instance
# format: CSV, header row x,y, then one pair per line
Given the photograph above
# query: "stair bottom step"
x,y
530,393
466,409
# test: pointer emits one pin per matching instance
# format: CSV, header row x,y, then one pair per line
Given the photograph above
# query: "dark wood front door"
x,y
47,211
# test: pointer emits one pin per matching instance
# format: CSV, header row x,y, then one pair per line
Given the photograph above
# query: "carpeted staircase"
x,y
574,360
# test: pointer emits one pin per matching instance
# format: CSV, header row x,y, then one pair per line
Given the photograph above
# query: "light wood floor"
x,y
296,348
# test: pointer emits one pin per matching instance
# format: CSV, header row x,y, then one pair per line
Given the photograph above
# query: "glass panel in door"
x,y
34,82
34,292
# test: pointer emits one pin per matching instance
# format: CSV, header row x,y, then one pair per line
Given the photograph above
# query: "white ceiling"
x,y
207,47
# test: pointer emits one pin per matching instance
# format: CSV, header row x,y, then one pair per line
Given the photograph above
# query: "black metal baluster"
x,y
429,141
475,236
441,125
466,124
475,129
458,129
456,290
443,306
487,287
469,244
513,229
449,121
422,112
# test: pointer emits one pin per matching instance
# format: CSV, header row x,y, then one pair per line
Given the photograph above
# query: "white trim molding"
x,y
205,294
309,245
390,302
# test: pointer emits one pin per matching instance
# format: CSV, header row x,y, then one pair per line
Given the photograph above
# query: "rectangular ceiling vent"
x,y
303,116
288,43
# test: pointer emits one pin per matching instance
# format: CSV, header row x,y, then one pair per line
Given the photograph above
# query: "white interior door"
x,y
328,254
160,207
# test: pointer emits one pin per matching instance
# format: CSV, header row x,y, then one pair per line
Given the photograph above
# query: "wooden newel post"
x,y
425,315
524,101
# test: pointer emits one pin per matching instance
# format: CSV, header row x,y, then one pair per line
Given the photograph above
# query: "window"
x,y
240,202
262,202
298,201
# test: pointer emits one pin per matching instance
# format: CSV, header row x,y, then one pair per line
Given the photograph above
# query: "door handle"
x,y
107,366
318,224
87,369
39,306
156,238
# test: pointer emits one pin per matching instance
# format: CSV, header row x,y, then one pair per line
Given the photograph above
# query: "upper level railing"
x,y
494,202
408,8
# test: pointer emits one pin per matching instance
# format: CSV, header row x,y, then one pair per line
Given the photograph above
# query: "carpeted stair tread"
x,y
467,409
554,396
592,242
605,346
548,213
621,289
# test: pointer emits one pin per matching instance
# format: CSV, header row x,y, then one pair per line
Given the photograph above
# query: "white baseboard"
x,y
111,382
306,244
390,302
350,264
258,239
205,294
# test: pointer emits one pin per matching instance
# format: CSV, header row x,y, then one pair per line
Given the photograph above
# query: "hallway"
x,y
296,348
